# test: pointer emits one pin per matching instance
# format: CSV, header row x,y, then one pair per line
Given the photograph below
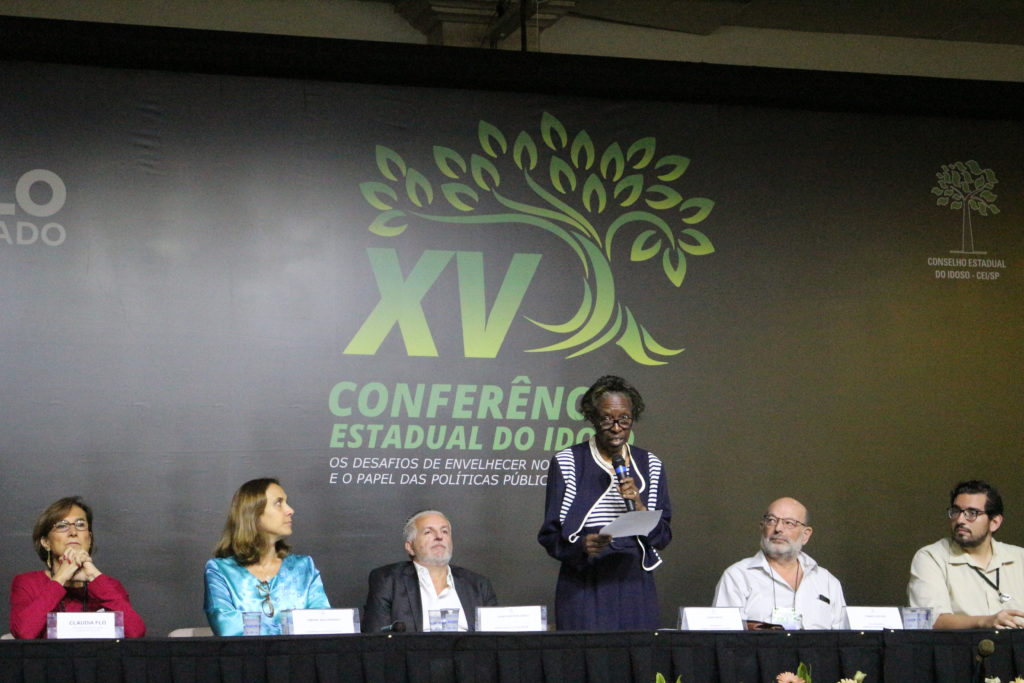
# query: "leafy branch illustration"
x,y
589,198
966,187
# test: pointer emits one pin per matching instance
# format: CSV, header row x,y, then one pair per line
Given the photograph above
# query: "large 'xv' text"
x,y
401,302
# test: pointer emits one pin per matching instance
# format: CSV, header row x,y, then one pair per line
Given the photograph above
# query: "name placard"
x,y
872,618
316,622
61,625
710,619
519,618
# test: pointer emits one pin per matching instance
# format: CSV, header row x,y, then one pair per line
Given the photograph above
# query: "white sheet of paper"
x,y
872,618
302,622
636,523
517,618
710,619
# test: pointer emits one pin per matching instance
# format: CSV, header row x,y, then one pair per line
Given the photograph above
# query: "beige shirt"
x,y
942,577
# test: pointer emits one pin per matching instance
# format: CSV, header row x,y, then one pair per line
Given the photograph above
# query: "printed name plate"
x,y
872,618
710,619
61,625
520,618
312,622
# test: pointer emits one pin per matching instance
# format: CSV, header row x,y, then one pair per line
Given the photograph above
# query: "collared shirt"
x,y
943,577
431,599
752,586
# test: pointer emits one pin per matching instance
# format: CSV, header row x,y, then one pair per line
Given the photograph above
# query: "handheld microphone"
x,y
393,627
621,472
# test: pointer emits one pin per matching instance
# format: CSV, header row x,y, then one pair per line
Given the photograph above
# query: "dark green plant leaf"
x,y
390,163
644,149
449,162
632,186
582,145
703,207
593,190
484,173
561,172
524,145
380,226
674,263
676,166
376,194
553,132
662,197
700,246
613,157
418,188
460,196
492,140
644,247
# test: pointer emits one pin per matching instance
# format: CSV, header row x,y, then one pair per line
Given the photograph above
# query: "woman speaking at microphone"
x,y
253,569
605,584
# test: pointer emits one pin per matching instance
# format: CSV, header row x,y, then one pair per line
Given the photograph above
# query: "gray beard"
x,y
775,553
435,561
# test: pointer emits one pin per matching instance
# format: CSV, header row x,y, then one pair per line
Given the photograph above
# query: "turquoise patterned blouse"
x,y
232,590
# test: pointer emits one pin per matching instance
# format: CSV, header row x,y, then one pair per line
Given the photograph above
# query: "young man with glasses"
x,y
970,580
781,586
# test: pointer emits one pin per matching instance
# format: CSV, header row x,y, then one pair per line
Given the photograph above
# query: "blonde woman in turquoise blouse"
x,y
253,569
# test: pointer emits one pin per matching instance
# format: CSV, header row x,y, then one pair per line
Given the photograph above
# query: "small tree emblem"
x,y
966,187
565,184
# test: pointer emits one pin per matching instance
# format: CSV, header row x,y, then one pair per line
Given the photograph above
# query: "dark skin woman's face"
x,y
612,437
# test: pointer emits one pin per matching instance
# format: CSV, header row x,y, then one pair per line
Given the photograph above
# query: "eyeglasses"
x,y
625,422
772,520
63,526
264,590
970,513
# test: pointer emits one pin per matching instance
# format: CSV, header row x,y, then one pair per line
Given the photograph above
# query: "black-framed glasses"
x,y
264,590
970,514
625,422
786,522
63,526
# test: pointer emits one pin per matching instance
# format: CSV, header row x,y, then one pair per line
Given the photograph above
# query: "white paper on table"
x,y
636,523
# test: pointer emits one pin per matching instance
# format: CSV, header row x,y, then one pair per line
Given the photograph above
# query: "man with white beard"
x,y
402,595
781,586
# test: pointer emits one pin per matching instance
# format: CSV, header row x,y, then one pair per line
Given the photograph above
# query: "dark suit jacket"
x,y
395,596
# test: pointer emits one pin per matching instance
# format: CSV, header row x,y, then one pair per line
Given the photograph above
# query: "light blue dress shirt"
x,y
232,590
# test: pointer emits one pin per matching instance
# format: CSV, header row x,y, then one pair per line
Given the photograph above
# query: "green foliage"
x,y
966,183
568,185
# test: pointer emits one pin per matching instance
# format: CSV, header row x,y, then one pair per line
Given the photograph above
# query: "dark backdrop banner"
x,y
391,298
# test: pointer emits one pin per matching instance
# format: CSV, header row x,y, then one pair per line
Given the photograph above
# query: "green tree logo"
x,y
589,198
967,188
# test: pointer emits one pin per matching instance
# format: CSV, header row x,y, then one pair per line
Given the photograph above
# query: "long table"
x,y
696,657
